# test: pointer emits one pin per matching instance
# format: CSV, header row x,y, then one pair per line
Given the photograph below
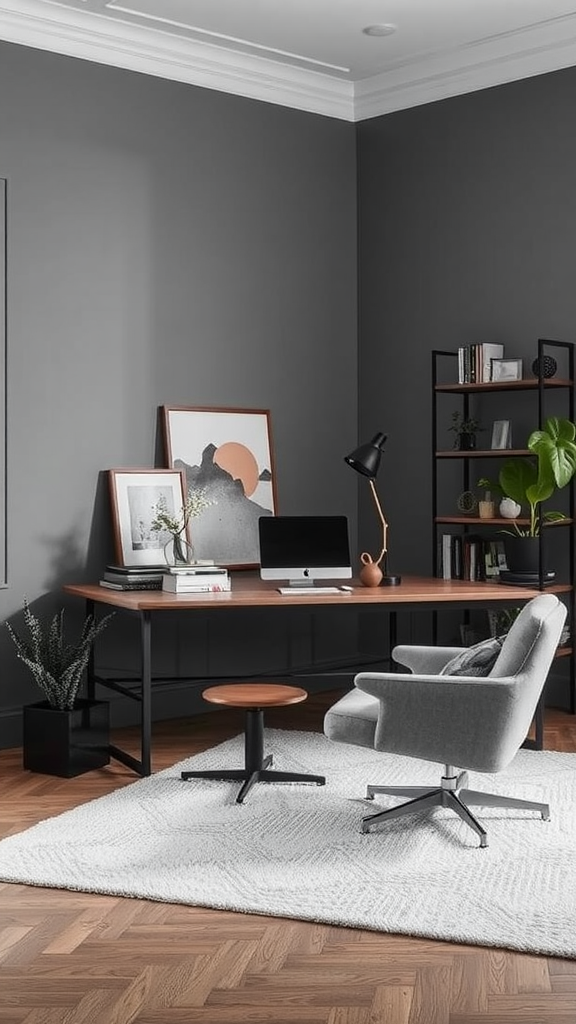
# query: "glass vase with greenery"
x,y
177,524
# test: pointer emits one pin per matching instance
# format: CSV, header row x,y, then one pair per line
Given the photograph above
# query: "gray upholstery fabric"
x,y
477,660
469,722
353,719
424,659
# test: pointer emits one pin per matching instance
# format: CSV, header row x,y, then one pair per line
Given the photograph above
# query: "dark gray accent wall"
x,y
467,228
166,245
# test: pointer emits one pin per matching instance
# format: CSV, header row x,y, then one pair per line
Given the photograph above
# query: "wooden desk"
x,y
249,591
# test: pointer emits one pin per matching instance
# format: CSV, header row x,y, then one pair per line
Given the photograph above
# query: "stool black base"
x,y
256,766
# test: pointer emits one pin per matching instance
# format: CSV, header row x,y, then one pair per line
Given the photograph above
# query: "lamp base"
x,y
391,581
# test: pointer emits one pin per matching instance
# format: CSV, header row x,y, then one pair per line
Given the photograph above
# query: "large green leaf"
x,y
556,451
515,477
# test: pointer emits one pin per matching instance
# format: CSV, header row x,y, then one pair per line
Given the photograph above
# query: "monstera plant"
x,y
531,482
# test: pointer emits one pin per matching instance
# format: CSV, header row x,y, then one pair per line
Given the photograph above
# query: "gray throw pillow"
x,y
477,660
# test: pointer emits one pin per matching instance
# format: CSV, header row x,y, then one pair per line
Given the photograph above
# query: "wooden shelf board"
x,y
506,385
486,453
499,522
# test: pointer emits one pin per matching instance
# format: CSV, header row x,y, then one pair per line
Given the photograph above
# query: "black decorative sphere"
x,y
546,366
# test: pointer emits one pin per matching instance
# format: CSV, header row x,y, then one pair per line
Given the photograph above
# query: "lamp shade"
x,y
366,458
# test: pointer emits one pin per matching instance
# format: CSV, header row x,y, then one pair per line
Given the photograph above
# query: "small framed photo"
x,y
501,434
135,495
505,369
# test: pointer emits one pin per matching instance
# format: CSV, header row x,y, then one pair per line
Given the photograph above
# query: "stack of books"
x,y
132,577
196,579
475,362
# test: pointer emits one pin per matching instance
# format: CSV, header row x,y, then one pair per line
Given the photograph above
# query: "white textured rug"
x,y
296,851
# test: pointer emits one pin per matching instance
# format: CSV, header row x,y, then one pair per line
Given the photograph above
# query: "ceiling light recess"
x,y
379,30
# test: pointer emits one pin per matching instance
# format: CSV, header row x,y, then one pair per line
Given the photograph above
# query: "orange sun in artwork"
x,y
239,461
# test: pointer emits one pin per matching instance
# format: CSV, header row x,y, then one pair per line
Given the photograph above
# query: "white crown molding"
x,y
509,57
548,46
110,41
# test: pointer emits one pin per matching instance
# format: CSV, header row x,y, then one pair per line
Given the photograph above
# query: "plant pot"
x,y
66,743
486,509
467,442
522,554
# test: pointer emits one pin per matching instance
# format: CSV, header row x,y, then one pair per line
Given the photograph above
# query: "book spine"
x,y
198,588
447,556
113,577
178,582
155,585
457,557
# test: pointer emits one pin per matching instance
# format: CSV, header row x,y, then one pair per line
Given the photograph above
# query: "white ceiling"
x,y
310,54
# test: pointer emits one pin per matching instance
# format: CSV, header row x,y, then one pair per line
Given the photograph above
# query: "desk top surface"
x,y
248,590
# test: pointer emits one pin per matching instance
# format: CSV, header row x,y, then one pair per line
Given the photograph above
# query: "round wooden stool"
x,y
254,697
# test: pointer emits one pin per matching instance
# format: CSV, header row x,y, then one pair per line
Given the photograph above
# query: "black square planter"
x,y
66,743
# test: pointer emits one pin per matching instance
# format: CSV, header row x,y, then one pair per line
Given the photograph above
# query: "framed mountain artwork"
x,y
227,455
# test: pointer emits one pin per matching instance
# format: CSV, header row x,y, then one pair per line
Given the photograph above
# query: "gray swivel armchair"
x,y
474,722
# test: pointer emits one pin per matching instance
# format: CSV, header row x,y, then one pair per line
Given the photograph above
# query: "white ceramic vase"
x,y
509,509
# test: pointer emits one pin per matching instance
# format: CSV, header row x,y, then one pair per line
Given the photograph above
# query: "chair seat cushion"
x,y
477,660
353,719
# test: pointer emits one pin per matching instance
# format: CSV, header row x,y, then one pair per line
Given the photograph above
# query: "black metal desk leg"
x,y
146,673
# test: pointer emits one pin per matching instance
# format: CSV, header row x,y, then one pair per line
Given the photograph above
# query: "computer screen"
x,y
301,549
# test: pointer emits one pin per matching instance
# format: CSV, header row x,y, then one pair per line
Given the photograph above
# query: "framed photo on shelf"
x,y
134,497
501,434
228,454
505,369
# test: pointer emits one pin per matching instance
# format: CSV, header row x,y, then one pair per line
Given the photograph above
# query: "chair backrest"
x,y
532,640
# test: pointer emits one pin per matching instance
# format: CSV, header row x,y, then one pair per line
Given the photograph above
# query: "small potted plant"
x,y
486,505
178,548
64,734
465,429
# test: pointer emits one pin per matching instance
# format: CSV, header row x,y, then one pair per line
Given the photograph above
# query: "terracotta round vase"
x,y
370,574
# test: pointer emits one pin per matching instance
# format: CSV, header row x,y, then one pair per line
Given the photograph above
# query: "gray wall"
x,y
467,227
166,245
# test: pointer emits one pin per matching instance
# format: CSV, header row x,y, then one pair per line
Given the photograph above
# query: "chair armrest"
x,y
425,659
467,721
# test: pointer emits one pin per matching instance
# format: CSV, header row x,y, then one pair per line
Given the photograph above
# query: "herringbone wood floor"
x,y
75,958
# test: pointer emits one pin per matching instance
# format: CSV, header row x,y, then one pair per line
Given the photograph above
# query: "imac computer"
x,y
300,550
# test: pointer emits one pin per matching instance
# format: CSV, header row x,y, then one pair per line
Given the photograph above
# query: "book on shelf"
x,y
470,557
177,584
446,557
475,362
133,584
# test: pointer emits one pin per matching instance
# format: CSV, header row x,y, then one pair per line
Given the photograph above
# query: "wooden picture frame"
x,y
134,495
227,453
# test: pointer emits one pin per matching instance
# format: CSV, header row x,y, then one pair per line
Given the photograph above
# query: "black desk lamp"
x,y
366,461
